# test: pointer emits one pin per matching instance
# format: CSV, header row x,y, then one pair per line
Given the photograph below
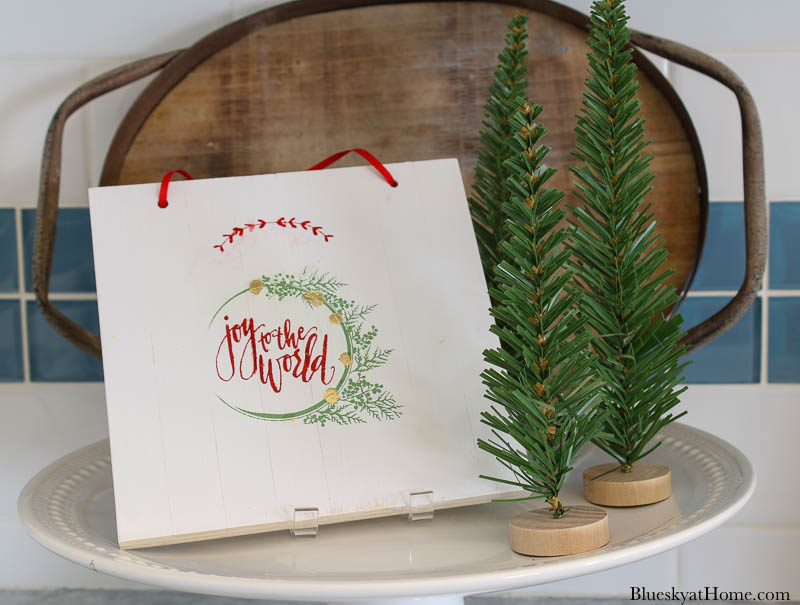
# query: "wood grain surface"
x,y
405,81
607,485
538,533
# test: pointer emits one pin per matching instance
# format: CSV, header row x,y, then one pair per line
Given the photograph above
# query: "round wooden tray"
x,y
69,509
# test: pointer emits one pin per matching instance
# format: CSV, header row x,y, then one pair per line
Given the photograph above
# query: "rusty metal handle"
x,y
753,173
49,185
755,208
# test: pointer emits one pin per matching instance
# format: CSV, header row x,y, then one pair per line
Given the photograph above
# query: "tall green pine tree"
x,y
543,381
618,252
488,192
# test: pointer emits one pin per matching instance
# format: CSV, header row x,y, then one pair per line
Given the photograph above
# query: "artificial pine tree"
x,y
542,382
488,191
619,256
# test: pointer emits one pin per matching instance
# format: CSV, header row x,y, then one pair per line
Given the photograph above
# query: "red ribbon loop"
x,y
162,195
375,162
364,154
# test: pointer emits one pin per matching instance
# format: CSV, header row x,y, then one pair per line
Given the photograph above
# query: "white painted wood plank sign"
x,y
308,339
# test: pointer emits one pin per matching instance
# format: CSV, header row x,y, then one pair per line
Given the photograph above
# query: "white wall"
x,y
49,47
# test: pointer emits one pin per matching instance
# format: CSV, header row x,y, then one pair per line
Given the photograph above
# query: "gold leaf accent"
x,y
336,318
256,286
315,299
346,359
331,395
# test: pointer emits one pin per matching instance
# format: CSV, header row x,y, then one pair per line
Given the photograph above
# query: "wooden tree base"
x,y
645,484
537,533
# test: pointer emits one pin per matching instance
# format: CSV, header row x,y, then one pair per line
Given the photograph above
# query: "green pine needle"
x,y
542,381
488,192
618,254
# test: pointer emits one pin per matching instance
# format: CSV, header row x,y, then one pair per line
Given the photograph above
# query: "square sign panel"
x,y
286,341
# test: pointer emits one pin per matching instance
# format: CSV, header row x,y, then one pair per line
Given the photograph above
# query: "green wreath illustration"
x,y
354,399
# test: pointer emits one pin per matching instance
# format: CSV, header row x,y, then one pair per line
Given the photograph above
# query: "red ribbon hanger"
x,y
364,154
162,194
375,162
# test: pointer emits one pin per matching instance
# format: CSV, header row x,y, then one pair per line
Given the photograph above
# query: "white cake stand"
x,y
69,509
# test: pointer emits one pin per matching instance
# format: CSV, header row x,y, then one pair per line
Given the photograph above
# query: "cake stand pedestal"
x,y
69,509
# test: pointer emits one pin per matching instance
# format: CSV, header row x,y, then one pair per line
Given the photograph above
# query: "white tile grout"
x,y
767,292
765,316
87,131
754,49
772,386
23,297
765,308
86,61
73,296
30,296
691,294
710,293
23,306
91,152
778,200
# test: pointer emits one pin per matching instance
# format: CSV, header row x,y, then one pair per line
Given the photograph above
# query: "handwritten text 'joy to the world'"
x,y
249,350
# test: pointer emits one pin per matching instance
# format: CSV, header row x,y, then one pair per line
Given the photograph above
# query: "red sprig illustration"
x,y
283,222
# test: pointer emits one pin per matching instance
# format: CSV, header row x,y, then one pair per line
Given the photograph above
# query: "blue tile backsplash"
x,y
784,342
784,245
734,357
11,341
53,359
723,262
73,263
9,279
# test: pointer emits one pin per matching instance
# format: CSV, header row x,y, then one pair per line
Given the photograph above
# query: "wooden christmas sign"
x,y
274,343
